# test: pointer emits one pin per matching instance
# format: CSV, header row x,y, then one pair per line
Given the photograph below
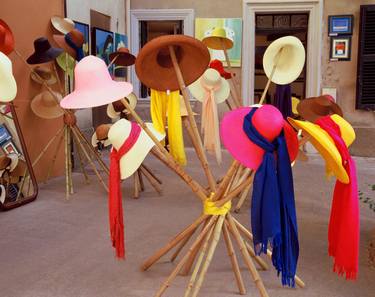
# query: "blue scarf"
x,y
283,100
78,50
273,213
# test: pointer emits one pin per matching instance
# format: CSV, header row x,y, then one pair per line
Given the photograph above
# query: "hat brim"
x,y
111,113
8,45
43,111
325,146
122,59
50,81
45,57
158,73
311,110
221,94
242,148
8,87
94,141
112,91
218,43
60,40
61,25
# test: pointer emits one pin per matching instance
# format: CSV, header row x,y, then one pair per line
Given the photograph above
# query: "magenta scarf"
x,y
116,221
343,231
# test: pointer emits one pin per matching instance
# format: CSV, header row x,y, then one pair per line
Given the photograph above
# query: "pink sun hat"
x,y
268,121
94,85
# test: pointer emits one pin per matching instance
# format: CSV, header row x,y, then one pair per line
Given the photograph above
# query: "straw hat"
x,y
66,63
77,38
268,121
18,172
43,52
154,65
218,39
63,25
45,73
183,110
101,135
218,65
114,109
8,86
123,57
325,145
94,85
290,61
131,161
211,79
45,106
8,162
6,38
295,102
313,108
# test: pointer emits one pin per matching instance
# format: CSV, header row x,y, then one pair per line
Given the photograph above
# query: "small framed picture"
x,y
340,25
340,48
85,30
4,134
10,148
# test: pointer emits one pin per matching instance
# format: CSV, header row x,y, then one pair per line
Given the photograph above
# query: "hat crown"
x,y
119,132
77,37
41,45
102,131
268,121
211,77
90,72
48,100
5,65
44,73
123,50
219,32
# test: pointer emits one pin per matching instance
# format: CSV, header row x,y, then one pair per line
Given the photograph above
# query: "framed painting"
x,y
102,44
340,48
85,30
340,25
121,40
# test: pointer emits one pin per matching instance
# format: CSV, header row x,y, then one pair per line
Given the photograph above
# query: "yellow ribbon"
x,y
210,208
161,105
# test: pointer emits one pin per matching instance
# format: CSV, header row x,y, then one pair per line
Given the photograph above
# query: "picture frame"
x,y
85,30
102,44
340,25
121,40
5,135
10,148
340,49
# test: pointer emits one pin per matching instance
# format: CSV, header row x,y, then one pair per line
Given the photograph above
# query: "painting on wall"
x,y
102,44
340,48
85,30
233,28
121,40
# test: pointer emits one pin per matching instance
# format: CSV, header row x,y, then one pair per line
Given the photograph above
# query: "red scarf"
x,y
116,221
343,231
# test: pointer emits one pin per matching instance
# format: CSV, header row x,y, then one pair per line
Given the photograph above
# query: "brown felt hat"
x,y
313,108
77,38
154,64
18,172
123,57
101,135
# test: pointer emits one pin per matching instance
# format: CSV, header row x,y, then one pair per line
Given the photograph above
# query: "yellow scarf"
x,y
163,104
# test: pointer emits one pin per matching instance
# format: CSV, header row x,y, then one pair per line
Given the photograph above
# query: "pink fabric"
x,y
343,231
116,221
210,122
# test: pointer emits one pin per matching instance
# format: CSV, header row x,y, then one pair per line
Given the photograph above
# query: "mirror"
x,y
17,181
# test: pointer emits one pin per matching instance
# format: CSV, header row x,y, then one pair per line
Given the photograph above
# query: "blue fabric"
x,y
273,213
283,100
79,50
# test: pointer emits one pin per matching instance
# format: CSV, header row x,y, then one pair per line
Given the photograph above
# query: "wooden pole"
x,y
182,245
55,155
57,77
242,199
140,177
67,189
82,165
70,163
151,173
151,179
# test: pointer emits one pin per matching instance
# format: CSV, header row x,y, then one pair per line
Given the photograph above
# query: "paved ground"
x,y
58,248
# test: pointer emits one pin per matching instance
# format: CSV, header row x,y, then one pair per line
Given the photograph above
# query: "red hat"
x,y
6,38
218,65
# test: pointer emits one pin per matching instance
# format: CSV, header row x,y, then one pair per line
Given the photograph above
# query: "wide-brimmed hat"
x,y
46,106
183,110
43,74
63,25
325,145
66,63
218,39
6,38
8,86
101,135
218,65
19,172
43,52
94,85
289,54
131,161
154,64
75,36
210,79
268,121
122,57
114,109
8,162
313,108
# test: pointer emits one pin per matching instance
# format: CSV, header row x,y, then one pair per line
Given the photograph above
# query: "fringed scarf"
x,y
210,122
116,221
343,231
273,213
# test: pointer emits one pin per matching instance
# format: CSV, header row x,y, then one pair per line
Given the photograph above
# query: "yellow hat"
x,y
295,102
218,39
325,145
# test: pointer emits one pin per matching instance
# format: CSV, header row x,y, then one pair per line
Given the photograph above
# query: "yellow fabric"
x,y
161,105
210,208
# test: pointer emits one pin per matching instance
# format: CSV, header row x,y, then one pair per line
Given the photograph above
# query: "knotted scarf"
x,y
163,104
343,230
210,121
283,100
116,221
78,50
273,214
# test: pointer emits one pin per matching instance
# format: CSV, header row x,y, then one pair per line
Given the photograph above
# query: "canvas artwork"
x,y
233,28
121,40
102,44
85,30
340,48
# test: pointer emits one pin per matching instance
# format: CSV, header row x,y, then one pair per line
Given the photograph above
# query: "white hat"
x,y
102,131
290,62
132,100
131,161
63,25
210,78
8,86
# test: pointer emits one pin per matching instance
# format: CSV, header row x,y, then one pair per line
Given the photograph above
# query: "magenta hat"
x,y
94,85
268,121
